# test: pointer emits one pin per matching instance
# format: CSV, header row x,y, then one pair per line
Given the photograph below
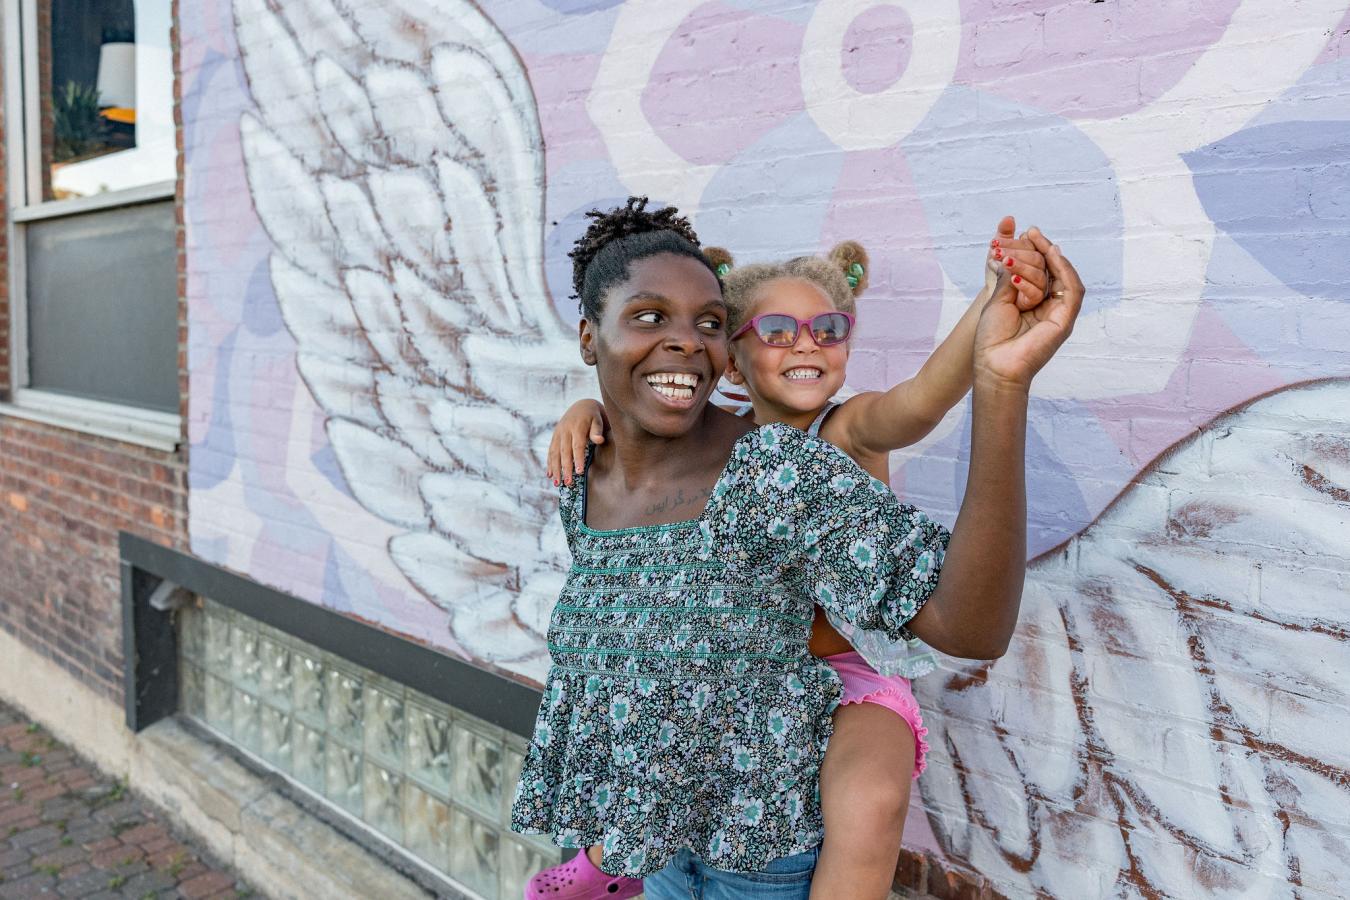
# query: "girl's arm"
x,y
583,423
973,610
877,422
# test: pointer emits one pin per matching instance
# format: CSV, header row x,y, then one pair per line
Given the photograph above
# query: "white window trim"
x,y
128,424
54,209
121,422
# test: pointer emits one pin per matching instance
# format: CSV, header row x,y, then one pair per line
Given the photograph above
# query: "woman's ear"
x,y
586,334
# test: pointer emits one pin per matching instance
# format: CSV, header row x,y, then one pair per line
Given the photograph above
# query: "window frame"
x,y
23,181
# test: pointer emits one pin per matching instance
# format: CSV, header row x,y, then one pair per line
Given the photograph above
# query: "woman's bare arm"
x,y
973,609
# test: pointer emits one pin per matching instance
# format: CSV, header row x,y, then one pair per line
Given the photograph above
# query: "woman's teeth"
x,y
802,374
675,385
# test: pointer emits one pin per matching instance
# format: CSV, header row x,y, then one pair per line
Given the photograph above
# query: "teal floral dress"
x,y
682,708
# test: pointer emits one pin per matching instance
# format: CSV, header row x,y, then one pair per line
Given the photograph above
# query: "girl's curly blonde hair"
x,y
842,275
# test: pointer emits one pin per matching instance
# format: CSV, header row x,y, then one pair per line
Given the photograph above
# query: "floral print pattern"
x,y
682,708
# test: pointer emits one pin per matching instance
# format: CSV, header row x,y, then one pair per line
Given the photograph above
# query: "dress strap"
x,y
814,430
585,480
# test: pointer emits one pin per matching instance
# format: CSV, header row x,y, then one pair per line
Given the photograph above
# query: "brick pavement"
x,y
68,832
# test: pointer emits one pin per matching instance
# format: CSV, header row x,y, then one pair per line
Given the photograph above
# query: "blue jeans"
x,y
686,877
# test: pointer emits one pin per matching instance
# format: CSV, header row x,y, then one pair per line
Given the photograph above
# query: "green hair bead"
x,y
855,274
723,269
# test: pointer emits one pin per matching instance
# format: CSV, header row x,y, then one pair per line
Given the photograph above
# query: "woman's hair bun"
x,y
852,260
721,260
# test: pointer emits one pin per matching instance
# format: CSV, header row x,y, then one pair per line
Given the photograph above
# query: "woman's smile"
x,y
677,388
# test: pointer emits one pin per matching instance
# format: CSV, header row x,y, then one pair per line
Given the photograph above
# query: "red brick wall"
x,y
64,497
922,875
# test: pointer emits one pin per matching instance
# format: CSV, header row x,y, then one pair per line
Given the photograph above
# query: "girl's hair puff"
x,y
741,286
620,237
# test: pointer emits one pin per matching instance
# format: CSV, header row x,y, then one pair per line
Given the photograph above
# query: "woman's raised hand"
x,y
582,424
1012,342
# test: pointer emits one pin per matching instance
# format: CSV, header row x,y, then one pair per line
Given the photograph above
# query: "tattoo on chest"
x,y
679,500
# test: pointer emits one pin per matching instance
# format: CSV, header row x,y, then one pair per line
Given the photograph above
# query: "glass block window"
x,y
435,781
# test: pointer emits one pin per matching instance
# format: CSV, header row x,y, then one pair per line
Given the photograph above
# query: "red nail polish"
x,y
1017,279
994,242
998,254
1009,261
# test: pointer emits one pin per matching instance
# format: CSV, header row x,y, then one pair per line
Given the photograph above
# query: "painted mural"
x,y
380,197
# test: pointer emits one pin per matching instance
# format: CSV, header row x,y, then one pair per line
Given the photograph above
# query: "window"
x,y
91,152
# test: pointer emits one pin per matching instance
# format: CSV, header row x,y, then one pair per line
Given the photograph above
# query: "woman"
x,y
683,721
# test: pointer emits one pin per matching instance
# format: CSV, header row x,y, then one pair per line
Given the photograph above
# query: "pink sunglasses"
x,y
782,330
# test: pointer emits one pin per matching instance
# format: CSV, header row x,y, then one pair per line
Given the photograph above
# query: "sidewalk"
x,y
66,831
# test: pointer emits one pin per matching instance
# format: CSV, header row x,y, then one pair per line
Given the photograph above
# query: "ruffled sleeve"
x,y
853,547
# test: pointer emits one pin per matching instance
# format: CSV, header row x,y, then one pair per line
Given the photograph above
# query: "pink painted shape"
x,y
1338,45
724,80
205,26
1087,60
1219,372
561,85
876,203
877,48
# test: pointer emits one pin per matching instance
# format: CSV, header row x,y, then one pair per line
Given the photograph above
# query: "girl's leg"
x,y
864,790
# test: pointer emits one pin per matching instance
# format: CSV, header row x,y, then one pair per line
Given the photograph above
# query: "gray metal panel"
x,y
103,306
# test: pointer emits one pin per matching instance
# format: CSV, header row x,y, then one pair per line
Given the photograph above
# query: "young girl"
x,y
790,325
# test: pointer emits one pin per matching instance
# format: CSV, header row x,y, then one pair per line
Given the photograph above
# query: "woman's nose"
x,y
684,340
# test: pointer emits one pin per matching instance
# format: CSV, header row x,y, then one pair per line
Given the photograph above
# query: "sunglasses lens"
x,y
777,331
830,328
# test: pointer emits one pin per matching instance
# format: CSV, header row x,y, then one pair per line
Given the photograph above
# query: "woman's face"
x,y
789,381
660,344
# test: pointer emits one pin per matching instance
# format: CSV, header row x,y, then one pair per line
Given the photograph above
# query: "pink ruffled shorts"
x,y
863,684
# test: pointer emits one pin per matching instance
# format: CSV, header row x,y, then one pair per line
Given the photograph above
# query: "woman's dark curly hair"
x,y
617,239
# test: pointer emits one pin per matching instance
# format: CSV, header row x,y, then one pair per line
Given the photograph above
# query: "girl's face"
x,y
787,382
660,344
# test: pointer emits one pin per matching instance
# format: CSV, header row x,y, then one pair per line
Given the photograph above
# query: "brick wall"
x,y
64,497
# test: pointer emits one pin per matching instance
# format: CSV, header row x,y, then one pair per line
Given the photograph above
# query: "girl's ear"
x,y
733,372
852,260
586,334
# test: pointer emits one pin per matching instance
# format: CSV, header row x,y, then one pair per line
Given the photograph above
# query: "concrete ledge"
x,y
74,713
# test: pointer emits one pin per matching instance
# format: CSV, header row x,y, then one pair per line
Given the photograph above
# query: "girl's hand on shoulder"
x,y
1020,259
1012,344
582,424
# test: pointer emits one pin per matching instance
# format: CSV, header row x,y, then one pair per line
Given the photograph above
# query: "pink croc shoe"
x,y
579,879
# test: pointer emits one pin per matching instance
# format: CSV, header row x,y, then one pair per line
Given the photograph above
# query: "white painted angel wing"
x,y
396,162
1172,718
